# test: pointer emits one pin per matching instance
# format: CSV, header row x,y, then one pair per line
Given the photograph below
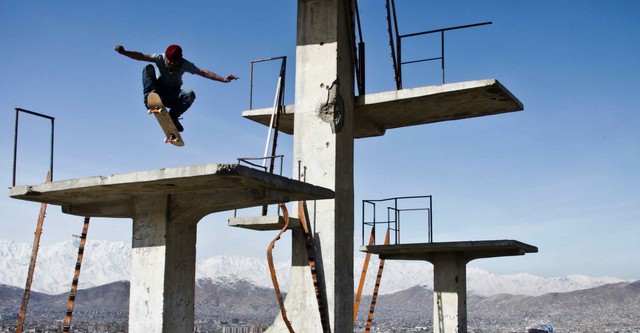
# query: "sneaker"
x,y
176,121
175,116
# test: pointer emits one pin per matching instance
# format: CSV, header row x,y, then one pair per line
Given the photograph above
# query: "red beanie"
x,y
173,53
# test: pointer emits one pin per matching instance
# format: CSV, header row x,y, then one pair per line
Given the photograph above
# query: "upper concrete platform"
x,y
215,187
469,249
375,113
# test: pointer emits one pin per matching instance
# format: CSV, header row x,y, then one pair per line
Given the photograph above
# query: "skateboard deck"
x,y
154,103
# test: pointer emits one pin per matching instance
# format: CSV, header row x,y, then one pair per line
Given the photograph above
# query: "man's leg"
x,y
148,81
185,99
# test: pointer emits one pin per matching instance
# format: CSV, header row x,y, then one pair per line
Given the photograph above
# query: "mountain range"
x,y
608,308
106,262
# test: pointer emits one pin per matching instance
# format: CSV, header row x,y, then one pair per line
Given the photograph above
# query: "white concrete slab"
x,y
375,113
262,223
468,249
212,187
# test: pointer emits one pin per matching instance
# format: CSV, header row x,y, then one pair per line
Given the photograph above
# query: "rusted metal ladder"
x,y
76,275
316,274
363,275
376,288
32,265
374,297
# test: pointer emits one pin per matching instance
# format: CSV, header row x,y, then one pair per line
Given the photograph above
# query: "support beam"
x,y
323,155
163,257
449,293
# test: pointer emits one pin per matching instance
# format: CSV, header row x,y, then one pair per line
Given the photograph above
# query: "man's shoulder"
x,y
190,67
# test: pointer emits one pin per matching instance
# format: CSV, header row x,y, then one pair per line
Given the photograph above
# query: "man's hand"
x,y
230,78
120,49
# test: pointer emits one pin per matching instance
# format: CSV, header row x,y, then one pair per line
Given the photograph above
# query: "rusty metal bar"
x,y
32,265
316,271
363,275
76,276
376,288
392,26
359,54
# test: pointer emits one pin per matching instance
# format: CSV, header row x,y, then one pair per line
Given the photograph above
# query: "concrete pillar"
x,y
449,293
163,267
323,155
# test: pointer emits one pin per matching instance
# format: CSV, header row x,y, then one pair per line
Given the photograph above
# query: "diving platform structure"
x,y
166,204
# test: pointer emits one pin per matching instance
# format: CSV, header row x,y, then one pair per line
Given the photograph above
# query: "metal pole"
x,y
430,219
15,141
15,150
442,52
251,87
51,157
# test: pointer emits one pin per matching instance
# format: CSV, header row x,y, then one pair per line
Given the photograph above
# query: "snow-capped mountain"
x,y
106,262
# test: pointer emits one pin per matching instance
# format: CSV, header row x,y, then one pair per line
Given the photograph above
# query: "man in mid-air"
x,y
169,84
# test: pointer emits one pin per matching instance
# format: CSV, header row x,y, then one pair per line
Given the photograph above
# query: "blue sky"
x,y
563,175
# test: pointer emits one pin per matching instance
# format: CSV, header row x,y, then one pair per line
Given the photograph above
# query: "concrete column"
x,y
163,267
323,155
449,293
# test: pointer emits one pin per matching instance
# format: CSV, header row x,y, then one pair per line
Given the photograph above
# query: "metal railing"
x,y
281,79
15,142
395,42
249,161
394,209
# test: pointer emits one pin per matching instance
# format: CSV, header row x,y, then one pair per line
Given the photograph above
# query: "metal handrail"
x,y
247,160
441,57
393,219
15,141
263,167
282,71
396,44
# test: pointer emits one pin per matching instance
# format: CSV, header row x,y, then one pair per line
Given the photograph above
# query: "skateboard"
x,y
164,119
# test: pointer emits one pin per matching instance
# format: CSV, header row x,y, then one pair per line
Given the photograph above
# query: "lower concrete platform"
x,y
264,223
377,112
469,250
166,206
449,261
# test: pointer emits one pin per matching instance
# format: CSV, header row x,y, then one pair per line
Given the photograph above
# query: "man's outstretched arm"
x,y
215,77
134,54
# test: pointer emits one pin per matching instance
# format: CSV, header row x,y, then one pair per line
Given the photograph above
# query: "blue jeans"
x,y
174,98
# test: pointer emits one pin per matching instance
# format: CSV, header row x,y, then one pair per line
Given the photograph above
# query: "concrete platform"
x,y
449,261
375,113
263,223
469,250
217,187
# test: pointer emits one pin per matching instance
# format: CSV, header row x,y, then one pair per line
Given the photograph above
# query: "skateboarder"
x,y
169,84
